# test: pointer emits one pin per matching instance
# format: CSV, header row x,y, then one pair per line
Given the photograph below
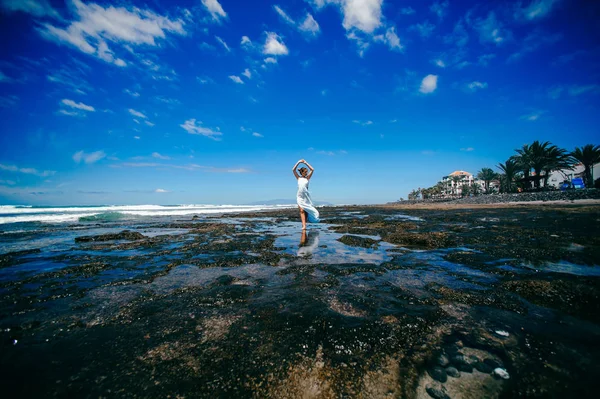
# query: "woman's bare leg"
x,y
303,218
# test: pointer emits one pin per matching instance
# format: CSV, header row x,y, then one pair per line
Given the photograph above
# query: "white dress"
x,y
304,201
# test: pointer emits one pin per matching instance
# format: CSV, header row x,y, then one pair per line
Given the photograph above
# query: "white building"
x,y
453,187
557,177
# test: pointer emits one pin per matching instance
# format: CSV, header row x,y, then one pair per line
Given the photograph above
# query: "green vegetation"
x,y
529,169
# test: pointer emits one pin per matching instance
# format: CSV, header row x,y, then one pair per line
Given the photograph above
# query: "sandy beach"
x,y
430,301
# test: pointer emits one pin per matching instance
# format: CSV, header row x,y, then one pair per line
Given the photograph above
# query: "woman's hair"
x,y
303,171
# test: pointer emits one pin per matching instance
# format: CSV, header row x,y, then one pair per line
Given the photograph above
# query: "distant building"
x,y
557,177
455,180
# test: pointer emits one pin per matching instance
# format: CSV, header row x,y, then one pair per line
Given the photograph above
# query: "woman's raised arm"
x,y
312,170
294,169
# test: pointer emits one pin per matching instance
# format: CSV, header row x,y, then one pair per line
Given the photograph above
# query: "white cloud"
x,y
274,45
428,84
161,190
69,113
192,127
246,42
255,134
8,182
555,92
534,116
136,137
88,158
93,26
407,11
459,36
270,60
217,38
332,153
361,42
137,113
577,90
536,9
424,30
310,25
468,149
362,123
149,123
440,8
159,156
492,30
284,15
27,171
236,79
390,38
8,101
474,86
439,63
215,9
533,41
204,80
247,73
81,106
37,8
71,77
484,59
4,78
131,93
364,15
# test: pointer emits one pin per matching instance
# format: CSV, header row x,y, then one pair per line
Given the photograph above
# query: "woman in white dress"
x,y
307,209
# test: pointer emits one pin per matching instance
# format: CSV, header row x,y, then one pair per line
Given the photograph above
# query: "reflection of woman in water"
x,y
308,243
307,209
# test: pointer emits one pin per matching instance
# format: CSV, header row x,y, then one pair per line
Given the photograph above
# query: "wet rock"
x,y
467,368
499,372
437,393
453,372
421,240
124,235
437,373
356,241
442,360
458,358
483,367
493,363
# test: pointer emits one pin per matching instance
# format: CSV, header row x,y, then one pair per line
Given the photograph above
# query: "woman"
x,y
307,209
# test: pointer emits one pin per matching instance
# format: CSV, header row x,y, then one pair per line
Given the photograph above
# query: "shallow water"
x,y
248,306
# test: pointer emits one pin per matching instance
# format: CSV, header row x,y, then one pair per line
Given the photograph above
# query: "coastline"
x,y
519,204
375,300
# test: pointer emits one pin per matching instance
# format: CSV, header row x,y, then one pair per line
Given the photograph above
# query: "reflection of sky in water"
x,y
334,253
565,267
401,216
30,268
193,276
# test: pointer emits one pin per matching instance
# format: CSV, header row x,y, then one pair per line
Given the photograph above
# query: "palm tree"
x,y
588,155
487,175
465,190
556,159
510,168
540,157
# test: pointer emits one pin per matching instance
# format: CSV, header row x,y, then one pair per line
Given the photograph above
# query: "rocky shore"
x,y
541,196
375,302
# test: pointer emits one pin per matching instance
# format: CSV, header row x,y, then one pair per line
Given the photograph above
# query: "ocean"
x,y
98,213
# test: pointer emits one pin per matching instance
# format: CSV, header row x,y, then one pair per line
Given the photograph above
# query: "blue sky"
x,y
127,102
